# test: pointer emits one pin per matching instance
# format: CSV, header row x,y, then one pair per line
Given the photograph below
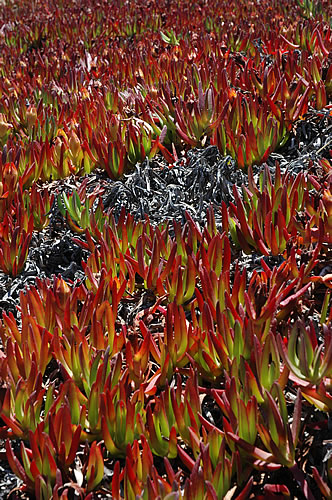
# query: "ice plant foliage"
x,y
168,365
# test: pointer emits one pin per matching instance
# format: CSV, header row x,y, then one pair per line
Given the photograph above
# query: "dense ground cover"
x,y
165,249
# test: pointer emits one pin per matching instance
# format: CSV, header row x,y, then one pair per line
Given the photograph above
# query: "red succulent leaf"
x,y
185,458
245,491
14,463
276,489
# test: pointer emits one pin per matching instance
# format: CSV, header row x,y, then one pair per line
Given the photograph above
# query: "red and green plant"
x,y
217,382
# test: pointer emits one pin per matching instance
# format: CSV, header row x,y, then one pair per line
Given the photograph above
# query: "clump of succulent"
x,y
210,379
